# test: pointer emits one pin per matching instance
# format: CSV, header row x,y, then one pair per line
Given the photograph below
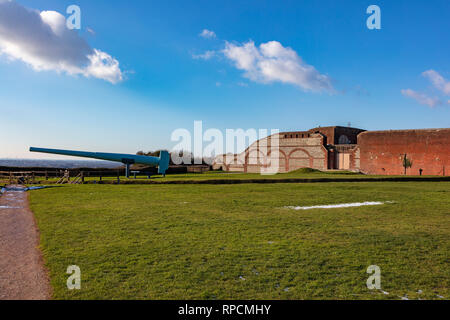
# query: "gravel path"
x,y
22,273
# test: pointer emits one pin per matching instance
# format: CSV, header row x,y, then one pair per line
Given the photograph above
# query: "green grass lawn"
x,y
239,242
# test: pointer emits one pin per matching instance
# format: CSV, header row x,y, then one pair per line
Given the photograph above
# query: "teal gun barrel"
x,y
162,161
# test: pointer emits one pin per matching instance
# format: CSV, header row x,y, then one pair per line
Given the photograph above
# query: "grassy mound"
x,y
306,170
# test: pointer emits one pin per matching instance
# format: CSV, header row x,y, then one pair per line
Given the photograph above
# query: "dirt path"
x,y
22,273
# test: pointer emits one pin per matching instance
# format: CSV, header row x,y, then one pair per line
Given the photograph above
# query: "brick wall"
x,y
295,152
381,152
377,152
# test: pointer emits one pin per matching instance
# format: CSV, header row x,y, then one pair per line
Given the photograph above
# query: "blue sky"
x,y
165,87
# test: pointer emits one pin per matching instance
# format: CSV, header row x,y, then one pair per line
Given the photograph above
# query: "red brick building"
x,y
345,148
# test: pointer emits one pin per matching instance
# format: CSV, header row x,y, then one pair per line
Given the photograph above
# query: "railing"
x,y
61,176
80,175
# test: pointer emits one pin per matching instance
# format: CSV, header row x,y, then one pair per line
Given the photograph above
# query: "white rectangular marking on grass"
x,y
341,205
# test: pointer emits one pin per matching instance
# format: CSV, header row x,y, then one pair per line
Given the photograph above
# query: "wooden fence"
x,y
62,176
78,175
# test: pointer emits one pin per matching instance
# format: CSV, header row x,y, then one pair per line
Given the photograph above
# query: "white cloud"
x,y
103,66
421,97
271,62
204,56
91,31
438,81
42,40
207,34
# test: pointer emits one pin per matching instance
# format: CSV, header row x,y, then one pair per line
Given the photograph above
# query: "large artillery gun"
x,y
162,162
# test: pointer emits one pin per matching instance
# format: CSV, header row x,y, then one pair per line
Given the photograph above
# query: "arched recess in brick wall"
x,y
282,162
299,158
255,157
254,160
